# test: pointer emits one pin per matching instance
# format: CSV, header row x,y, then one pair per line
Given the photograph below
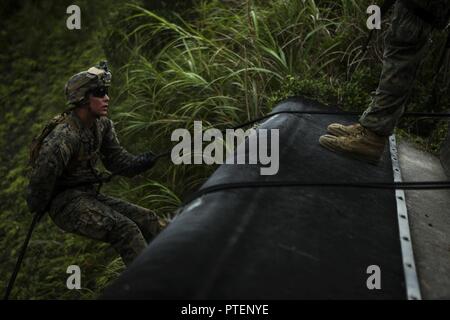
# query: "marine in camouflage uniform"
x,y
63,175
406,45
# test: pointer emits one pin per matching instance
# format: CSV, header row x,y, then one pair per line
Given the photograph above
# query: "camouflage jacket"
x,y
68,157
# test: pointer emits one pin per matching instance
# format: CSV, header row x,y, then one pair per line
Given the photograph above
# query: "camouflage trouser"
x,y
127,227
405,46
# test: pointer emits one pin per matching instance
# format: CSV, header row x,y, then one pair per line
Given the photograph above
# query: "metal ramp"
x,y
283,242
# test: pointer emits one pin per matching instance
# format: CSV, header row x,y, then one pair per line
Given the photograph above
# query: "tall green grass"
x,y
228,65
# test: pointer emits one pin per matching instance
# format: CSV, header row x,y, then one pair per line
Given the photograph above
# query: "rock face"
x,y
445,154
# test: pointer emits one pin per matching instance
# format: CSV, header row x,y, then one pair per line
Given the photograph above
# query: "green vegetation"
x,y
222,62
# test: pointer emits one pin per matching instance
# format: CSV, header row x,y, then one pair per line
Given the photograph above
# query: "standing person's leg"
x,y
405,47
87,216
145,219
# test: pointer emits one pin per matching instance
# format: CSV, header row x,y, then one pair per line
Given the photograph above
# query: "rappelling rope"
x,y
419,185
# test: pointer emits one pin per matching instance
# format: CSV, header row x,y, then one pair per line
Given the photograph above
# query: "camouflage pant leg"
x,y
405,46
146,220
89,217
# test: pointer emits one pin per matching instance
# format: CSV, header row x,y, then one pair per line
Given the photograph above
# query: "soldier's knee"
x,y
127,226
125,230
148,222
153,226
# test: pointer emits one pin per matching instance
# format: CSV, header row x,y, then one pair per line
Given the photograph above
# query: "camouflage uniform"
x,y
67,159
405,47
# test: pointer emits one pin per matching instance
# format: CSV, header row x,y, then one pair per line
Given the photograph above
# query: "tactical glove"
x,y
144,162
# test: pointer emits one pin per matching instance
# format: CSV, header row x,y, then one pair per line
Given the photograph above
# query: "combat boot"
x,y
340,130
366,146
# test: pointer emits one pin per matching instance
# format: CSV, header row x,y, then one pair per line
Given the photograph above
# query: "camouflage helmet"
x,y
81,83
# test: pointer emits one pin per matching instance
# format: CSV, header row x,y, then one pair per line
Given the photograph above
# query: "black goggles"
x,y
99,92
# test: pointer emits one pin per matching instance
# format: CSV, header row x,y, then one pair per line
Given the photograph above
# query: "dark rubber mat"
x,y
279,243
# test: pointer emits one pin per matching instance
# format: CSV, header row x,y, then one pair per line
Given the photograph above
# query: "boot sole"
x,y
351,155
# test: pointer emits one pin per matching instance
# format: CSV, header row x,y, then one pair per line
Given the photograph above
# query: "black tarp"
x,y
279,243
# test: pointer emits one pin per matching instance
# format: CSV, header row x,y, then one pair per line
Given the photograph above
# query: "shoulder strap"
x,y
83,155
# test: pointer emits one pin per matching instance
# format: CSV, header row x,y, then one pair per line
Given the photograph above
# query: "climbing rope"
x,y
425,185
419,185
